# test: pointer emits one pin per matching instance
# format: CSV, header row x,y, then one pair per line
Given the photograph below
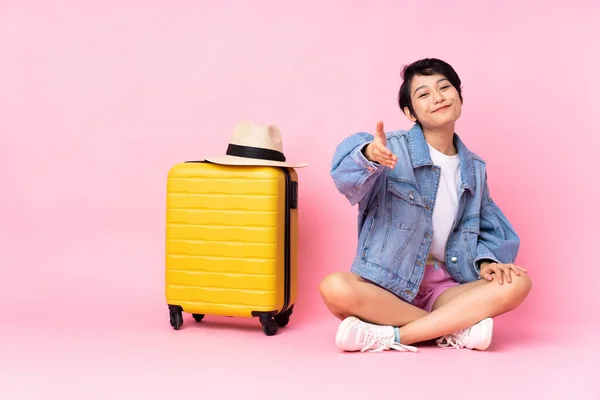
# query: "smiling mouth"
x,y
442,108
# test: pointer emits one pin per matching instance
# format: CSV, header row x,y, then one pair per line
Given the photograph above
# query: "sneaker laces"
x,y
376,340
456,340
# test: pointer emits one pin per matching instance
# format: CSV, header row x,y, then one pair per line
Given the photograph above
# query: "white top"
x,y
446,203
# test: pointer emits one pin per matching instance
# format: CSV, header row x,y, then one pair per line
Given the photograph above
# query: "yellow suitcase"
x,y
231,242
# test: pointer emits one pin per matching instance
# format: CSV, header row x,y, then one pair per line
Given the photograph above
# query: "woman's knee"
x,y
518,290
339,290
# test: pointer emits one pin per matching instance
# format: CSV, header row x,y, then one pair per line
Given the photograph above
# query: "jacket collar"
x,y
419,154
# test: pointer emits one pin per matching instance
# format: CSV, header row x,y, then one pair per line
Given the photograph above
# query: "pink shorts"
x,y
435,281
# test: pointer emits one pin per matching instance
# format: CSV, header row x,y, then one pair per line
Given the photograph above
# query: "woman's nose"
x,y
437,97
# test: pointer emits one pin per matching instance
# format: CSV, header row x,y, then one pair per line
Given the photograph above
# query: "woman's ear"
x,y
409,115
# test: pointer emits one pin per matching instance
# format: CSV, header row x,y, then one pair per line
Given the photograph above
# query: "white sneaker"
x,y
356,335
477,337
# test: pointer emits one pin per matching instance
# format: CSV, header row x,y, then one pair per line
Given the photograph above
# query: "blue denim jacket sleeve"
x,y
354,176
498,240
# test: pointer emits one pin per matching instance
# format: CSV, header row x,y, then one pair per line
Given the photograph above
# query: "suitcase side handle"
x,y
293,188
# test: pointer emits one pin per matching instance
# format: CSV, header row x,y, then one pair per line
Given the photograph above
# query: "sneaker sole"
x,y
343,329
488,325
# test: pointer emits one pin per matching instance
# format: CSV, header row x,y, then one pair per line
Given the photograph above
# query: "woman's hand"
x,y
490,271
377,151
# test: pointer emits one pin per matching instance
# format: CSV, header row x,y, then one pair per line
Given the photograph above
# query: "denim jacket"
x,y
395,208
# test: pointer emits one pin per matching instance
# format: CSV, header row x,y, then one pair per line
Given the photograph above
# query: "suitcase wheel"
x,y
269,325
176,317
198,317
283,319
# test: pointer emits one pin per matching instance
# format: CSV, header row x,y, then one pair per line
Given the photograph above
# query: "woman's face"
x,y
435,101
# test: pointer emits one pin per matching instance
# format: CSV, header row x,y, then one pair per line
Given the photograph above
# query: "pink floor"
x,y
79,322
138,356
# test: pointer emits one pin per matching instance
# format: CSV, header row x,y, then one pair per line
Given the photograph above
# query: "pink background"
x,y
99,99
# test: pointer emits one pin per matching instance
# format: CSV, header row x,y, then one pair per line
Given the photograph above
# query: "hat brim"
x,y
244,161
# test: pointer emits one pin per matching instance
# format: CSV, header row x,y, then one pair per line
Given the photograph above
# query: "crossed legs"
x,y
457,308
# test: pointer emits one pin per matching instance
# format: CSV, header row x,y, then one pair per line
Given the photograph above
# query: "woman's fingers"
x,y
498,273
383,149
521,268
384,156
380,152
502,272
515,269
380,133
487,276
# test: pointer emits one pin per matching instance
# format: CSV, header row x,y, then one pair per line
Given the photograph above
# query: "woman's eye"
x,y
445,87
423,95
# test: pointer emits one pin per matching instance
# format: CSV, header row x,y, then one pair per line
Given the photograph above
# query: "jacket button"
x,y
454,259
411,195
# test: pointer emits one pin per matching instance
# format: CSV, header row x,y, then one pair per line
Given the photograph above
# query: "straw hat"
x,y
253,144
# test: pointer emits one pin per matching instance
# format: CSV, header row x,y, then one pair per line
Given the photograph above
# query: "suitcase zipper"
x,y
291,201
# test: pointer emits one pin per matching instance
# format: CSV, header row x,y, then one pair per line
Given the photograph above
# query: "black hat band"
x,y
254,152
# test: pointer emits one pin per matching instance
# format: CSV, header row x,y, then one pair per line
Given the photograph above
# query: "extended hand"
x,y
490,271
378,152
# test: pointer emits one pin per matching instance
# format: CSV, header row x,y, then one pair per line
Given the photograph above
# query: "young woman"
x,y
435,253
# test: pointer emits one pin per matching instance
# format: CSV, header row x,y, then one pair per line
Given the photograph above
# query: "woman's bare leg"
x,y
463,306
346,294
450,293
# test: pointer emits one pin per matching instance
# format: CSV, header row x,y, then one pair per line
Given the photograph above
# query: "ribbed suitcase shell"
x,y
231,242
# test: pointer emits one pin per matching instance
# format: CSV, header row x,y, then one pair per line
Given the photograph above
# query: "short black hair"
x,y
426,66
